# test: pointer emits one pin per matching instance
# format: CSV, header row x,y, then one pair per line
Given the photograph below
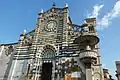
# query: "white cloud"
x,y
106,20
95,11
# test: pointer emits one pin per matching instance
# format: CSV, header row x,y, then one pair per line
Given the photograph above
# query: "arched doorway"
x,y
46,71
48,54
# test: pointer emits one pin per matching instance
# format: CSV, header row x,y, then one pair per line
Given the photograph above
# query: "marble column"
x,y
53,70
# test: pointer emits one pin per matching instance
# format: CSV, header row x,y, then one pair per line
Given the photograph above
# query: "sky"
x,y
17,15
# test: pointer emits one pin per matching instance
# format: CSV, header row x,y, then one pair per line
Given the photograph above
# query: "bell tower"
x,y
89,50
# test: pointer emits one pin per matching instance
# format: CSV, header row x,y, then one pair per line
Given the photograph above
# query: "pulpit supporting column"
x,y
88,74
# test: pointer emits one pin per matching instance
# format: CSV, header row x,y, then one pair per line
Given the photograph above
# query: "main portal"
x,y
46,71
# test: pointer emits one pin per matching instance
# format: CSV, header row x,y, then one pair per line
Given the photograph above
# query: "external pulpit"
x,y
87,56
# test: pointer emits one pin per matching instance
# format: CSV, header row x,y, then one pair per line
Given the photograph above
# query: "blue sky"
x,y
17,15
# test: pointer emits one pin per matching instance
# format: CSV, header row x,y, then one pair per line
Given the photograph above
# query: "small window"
x,y
91,28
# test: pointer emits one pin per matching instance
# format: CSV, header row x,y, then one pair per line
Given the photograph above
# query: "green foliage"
x,y
75,68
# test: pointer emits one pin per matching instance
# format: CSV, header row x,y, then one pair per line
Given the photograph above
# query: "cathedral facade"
x,y
56,47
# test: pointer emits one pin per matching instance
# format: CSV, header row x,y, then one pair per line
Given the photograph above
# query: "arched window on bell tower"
x,y
91,28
